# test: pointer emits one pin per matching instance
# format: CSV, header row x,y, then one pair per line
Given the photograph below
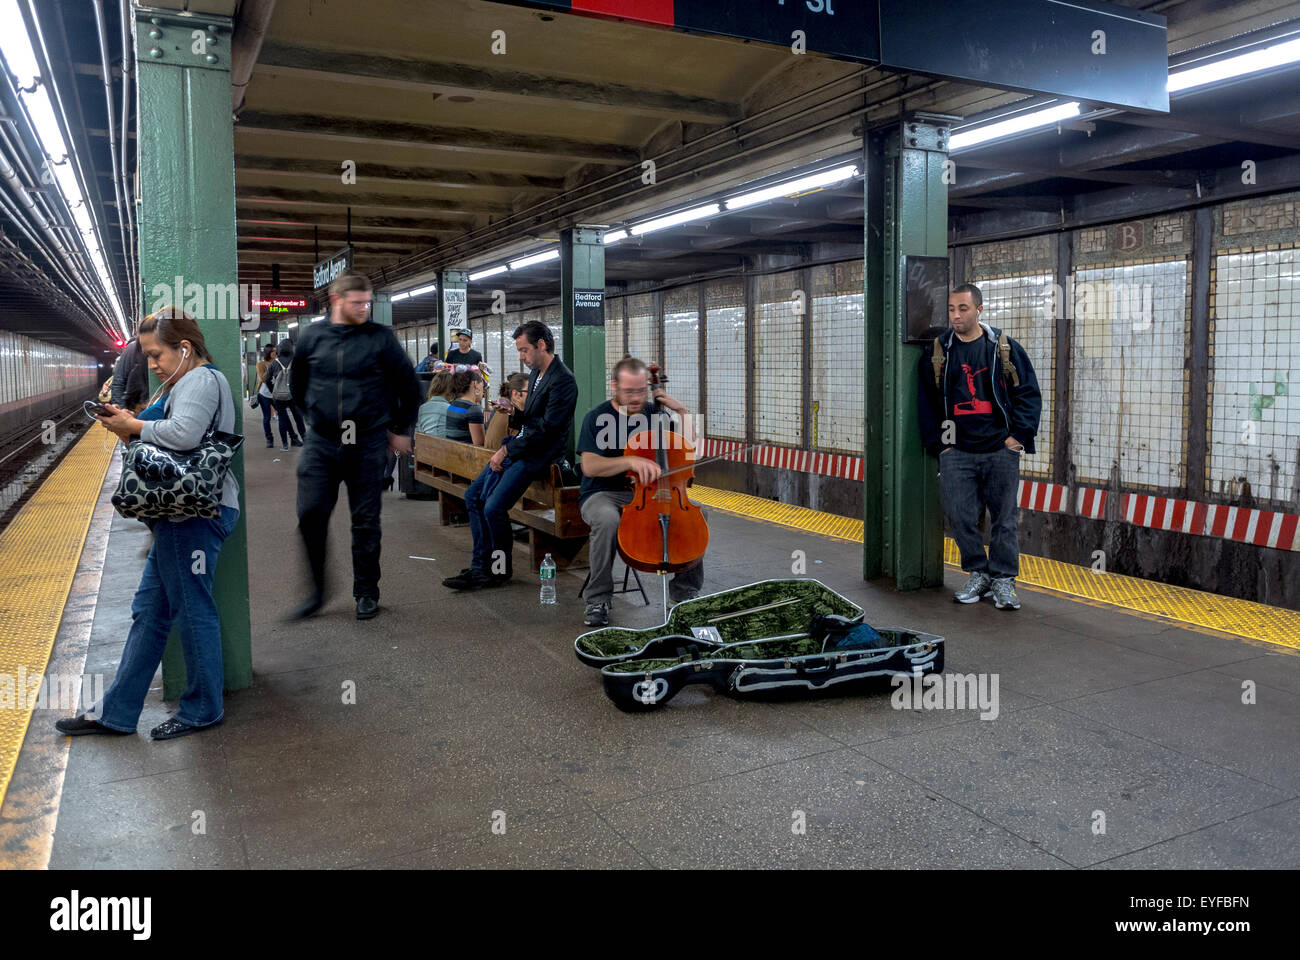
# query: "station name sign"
x,y
1085,50
326,271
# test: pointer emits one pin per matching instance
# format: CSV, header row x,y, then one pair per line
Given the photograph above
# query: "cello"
x,y
661,531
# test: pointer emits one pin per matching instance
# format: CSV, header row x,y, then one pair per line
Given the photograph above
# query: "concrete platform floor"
x,y
471,710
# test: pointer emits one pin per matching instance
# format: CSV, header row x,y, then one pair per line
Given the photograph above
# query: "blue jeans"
x,y
174,584
488,500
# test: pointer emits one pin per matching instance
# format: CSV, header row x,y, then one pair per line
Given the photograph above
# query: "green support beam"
x,y
906,215
187,229
381,309
582,299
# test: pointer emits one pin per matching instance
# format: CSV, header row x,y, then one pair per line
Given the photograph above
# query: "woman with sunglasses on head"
x,y
178,573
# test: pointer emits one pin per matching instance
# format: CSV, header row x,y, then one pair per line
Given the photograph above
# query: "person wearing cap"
x,y
465,354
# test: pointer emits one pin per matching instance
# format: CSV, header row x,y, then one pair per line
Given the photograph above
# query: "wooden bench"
x,y
548,508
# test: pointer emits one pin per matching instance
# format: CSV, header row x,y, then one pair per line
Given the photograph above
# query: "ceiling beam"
x,y
278,217
374,201
1207,127
417,176
465,79
458,139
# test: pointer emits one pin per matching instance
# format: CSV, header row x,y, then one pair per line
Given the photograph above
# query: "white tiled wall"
x,y
642,328
1255,374
779,361
835,367
725,361
614,330
682,346
1127,382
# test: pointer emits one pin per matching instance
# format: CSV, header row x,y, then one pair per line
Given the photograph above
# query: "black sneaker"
x,y
367,608
82,725
295,443
597,615
473,580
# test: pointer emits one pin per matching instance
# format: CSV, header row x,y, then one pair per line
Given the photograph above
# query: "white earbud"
x,y
185,352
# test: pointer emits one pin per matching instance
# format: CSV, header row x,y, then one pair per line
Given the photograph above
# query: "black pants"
x,y
325,464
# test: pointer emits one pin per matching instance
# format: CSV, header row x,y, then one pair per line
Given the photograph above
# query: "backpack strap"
x,y
1008,368
936,360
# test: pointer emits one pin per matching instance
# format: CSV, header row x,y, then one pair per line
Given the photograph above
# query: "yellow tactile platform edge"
x,y
39,553
1194,608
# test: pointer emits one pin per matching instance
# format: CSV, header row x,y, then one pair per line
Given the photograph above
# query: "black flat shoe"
x,y
307,607
82,725
171,728
367,608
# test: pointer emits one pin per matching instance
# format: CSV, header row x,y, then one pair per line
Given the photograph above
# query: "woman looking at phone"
x,y
178,573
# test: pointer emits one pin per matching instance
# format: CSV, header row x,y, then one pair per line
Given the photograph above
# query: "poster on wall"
x,y
454,303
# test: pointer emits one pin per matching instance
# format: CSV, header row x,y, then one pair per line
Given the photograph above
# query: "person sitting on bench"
x,y
543,435
607,488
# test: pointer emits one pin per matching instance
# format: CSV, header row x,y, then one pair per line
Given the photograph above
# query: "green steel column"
x,y
187,230
381,309
453,311
907,214
582,299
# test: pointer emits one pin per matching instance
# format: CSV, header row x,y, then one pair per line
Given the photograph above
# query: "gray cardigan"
x,y
189,409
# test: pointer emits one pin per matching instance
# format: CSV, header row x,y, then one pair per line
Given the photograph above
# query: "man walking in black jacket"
x,y
979,406
355,384
543,435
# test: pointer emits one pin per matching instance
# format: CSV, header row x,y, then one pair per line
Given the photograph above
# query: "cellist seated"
x,y
606,486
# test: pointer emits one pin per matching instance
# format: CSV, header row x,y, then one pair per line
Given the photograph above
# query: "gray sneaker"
x,y
1004,594
975,587
597,615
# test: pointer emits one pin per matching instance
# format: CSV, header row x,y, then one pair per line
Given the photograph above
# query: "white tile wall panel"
x,y
724,367
1254,435
835,366
779,360
1128,382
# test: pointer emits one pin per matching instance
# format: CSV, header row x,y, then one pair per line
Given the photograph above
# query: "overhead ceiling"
x,y
464,156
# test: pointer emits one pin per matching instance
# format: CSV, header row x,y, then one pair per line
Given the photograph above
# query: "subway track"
x,y
27,457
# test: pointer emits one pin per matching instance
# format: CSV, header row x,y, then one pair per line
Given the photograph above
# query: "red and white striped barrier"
x,y
1263,528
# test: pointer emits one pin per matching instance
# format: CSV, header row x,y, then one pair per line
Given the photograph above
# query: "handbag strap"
x,y
216,417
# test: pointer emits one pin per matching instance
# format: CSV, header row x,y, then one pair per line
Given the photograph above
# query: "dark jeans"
x,y
174,585
297,419
488,500
287,434
267,406
323,466
970,482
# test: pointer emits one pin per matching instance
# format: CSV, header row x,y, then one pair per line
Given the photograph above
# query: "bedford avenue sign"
x,y
327,270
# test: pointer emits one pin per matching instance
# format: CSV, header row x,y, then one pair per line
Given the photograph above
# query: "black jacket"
x,y
351,373
547,420
1021,406
130,377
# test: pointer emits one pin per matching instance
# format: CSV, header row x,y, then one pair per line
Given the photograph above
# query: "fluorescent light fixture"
x,y
318,319
812,182
293,326
536,258
489,272
421,291
615,236
674,219
1277,55
19,57
1005,128
401,296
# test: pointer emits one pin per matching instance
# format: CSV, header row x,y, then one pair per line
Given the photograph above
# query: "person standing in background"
x,y
358,390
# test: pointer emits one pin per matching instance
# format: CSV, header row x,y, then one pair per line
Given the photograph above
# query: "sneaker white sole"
x,y
957,599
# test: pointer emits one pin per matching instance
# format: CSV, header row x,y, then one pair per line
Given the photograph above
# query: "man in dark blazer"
x,y
543,436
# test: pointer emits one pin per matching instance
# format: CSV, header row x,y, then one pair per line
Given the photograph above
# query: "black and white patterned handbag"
x,y
159,482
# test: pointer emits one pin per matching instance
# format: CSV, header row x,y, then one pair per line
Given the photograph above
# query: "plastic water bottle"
x,y
548,580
